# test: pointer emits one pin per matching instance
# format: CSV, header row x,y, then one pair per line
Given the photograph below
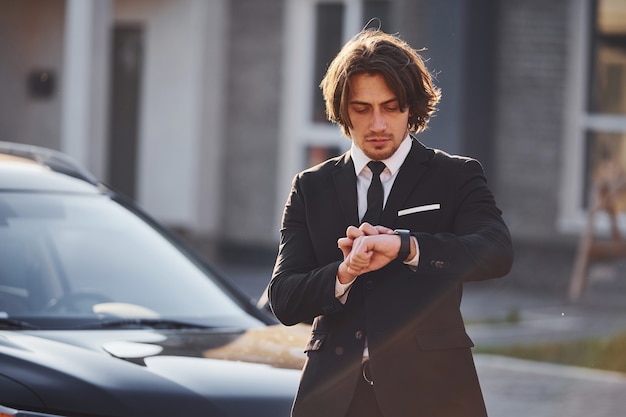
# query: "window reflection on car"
x,y
77,255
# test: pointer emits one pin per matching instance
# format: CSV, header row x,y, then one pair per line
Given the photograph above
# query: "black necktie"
x,y
375,194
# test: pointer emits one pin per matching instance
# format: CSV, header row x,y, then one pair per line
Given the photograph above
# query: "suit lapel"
x,y
413,168
345,185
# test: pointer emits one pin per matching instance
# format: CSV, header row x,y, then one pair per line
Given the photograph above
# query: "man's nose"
x,y
378,122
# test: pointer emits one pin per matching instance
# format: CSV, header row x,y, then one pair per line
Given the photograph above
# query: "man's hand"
x,y
366,248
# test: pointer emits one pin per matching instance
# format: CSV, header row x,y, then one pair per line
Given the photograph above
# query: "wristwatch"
x,y
405,243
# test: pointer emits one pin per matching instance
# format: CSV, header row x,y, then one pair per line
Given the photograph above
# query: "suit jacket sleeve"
x,y
478,246
301,288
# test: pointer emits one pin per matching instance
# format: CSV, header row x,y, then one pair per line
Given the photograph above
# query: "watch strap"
x,y
405,243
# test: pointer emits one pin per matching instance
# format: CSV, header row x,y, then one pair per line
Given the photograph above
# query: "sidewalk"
x,y
520,388
540,318
514,387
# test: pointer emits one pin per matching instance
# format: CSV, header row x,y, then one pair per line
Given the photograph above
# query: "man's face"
x,y
378,123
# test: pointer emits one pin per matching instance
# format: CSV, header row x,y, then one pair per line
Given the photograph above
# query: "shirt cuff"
x,y
342,290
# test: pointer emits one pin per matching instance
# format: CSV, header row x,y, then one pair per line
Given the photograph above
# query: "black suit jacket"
x,y
420,354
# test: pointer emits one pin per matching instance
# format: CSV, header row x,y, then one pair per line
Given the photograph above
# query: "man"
x,y
387,338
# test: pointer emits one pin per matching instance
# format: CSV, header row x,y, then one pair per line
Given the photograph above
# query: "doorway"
x,y
126,72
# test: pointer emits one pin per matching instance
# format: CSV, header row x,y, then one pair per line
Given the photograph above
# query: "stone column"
x,y
84,82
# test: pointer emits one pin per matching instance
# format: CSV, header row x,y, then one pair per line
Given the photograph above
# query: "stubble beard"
x,y
382,152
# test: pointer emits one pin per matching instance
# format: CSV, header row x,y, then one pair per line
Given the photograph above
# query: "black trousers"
x,y
364,402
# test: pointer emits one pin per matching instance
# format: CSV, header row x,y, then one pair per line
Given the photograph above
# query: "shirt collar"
x,y
393,163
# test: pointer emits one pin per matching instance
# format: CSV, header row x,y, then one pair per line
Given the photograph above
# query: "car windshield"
x,y
66,258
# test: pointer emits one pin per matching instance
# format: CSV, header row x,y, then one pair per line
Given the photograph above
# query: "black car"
x,y
105,313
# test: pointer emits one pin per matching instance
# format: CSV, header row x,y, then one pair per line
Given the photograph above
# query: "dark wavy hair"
x,y
373,51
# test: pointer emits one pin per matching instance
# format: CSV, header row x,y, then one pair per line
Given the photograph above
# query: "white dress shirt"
x,y
363,180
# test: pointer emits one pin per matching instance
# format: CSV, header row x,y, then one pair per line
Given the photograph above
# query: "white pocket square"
x,y
419,209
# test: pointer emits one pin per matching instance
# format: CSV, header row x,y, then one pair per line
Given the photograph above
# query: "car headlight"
x,y
11,412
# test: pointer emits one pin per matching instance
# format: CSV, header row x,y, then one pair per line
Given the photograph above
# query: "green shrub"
x,y
600,353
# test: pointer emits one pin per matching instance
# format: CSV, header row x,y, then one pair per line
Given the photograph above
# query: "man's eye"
x,y
360,109
391,108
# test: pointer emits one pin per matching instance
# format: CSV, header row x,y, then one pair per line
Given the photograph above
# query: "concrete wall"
x,y
31,38
251,137
440,27
529,113
531,69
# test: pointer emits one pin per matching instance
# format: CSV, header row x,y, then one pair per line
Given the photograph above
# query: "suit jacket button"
x,y
369,285
358,335
439,264
338,351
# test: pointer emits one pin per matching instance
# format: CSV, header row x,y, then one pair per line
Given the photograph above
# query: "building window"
x,y
605,134
608,73
318,154
328,41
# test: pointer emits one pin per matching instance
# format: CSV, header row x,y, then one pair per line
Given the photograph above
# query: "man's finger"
x,y
368,229
345,245
354,232
383,230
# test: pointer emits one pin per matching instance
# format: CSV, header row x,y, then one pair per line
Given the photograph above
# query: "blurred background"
x,y
202,111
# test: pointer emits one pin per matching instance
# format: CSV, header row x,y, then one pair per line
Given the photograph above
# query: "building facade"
x,y
202,111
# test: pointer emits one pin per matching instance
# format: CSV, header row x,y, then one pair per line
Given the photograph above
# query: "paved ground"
x,y
519,388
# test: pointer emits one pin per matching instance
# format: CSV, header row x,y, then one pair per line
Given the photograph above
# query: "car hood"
x,y
152,373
